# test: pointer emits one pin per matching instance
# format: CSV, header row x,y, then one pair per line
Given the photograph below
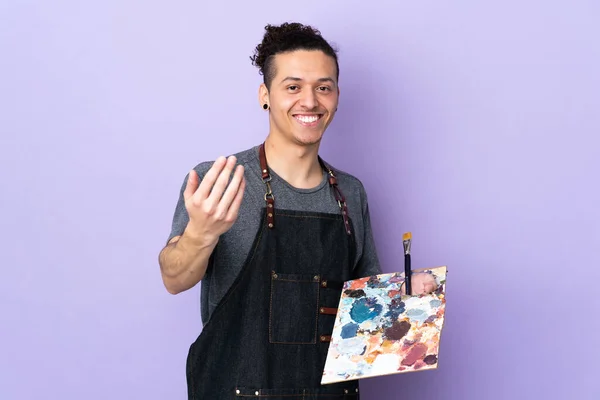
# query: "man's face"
x,y
303,97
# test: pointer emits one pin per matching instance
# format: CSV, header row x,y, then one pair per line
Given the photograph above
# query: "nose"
x,y
308,100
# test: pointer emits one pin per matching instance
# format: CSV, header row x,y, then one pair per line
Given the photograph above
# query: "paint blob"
x,y
364,309
430,359
349,330
398,330
352,347
354,293
435,303
417,315
417,352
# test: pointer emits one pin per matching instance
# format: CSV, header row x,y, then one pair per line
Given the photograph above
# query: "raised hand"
x,y
214,203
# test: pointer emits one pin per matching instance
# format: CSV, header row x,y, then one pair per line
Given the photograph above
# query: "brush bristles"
x,y
407,236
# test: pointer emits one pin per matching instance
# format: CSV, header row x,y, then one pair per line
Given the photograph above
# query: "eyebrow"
x,y
293,78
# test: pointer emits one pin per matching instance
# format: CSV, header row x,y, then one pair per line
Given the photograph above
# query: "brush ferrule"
x,y
406,246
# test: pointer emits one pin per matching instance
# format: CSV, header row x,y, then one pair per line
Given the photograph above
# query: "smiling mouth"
x,y
308,119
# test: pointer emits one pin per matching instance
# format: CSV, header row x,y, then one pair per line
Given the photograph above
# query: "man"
x,y
272,233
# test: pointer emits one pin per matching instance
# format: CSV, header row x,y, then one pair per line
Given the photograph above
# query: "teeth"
x,y
307,119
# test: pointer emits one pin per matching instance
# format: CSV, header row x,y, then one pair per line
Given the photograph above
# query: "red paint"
x,y
417,352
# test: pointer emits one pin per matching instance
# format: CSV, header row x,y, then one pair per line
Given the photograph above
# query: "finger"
x,y
431,287
222,181
210,177
232,189
191,185
237,201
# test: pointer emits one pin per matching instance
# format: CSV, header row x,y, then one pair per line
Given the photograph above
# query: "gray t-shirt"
x,y
233,247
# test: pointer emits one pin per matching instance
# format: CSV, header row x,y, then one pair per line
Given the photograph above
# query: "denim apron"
x,y
269,335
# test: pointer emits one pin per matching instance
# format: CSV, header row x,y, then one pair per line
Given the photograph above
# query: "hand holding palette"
x,y
381,331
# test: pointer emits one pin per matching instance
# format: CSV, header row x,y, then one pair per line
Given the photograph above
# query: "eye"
x,y
324,88
293,87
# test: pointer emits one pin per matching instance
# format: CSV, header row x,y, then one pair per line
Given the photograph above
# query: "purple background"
x,y
472,124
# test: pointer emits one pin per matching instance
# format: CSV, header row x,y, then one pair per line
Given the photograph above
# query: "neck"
x,y
297,164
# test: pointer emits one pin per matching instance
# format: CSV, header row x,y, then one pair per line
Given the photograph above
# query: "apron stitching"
x,y
271,313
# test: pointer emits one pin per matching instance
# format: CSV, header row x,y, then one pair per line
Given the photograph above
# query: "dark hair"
x,y
287,37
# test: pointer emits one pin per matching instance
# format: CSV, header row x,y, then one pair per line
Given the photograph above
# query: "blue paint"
x,y
397,304
365,309
396,308
417,315
392,315
415,312
352,347
349,330
435,303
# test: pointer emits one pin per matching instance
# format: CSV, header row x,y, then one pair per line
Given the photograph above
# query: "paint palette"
x,y
378,331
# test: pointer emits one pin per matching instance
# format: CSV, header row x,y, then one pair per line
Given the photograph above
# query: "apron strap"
x,y
270,198
339,196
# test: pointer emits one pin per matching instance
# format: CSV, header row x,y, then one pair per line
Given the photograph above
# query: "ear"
x,y
263,95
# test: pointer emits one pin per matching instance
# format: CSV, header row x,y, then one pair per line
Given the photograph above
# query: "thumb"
x,y
191,186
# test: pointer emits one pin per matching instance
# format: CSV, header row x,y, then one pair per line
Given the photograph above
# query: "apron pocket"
x,y
294,308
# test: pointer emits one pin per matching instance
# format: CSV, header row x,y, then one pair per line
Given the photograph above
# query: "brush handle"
x,y
407,274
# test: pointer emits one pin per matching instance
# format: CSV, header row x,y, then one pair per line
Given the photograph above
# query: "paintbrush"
x,y
406,240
